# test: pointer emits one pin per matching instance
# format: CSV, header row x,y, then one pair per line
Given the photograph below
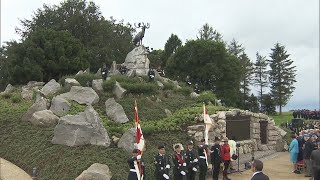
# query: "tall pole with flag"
x,y
139,142
208,124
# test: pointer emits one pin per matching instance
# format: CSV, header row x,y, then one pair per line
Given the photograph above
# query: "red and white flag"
x,y
208,123
139,142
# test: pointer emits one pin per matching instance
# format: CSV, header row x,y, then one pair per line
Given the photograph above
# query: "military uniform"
x,y
179,170
203,167
192,163
133,173
215,160
162,164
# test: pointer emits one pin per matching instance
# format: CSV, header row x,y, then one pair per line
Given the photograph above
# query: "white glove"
x,y
194,169
184,164
165,176
139,157
195,160
183,173
168,166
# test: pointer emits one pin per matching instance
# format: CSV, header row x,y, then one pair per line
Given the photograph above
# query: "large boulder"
x,y
60,106
119,91
37,106
82,95
44,118
281,131
50,88
8,89
194,95
97,85
98,73
115,111
29,89
81,129
137,60
69,82
127,140
96,171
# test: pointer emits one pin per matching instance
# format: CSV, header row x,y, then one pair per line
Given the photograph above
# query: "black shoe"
x,y
297,172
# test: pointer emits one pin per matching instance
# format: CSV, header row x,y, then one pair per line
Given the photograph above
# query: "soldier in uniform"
x,y
202,152
225,154
162,164
192,162
135,158
216,158
179,170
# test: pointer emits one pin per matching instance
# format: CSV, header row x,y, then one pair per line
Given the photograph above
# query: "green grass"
x,y
283,118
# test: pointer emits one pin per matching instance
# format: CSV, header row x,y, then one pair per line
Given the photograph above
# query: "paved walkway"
x,y
276,166
9,171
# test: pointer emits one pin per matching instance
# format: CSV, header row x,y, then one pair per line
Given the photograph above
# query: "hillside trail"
x,y
276,166
9,171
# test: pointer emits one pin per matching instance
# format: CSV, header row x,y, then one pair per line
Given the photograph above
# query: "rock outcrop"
x,y
127,140
69,82
27,90
8,89
37,106
119,91
97,85
60,106
44,118
115,111
50,88
82,95
96,171
137,61
81,129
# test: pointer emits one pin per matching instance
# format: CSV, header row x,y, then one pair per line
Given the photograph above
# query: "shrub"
x,y
108,85
6,95
63,78
125,79
184,90
16,98
139,88
83,79
76,108
168,86
207,96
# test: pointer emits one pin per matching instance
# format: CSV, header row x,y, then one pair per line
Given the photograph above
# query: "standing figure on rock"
x,y
131,161
104,72
137,40
162,164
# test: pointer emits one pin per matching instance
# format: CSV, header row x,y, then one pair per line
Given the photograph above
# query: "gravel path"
x,y
9,171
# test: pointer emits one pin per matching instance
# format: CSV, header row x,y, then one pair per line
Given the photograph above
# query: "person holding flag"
x,y
179,170
139,145
203,166
133,175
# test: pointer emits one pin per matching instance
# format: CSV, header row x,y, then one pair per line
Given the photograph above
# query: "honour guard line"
x,y
185,165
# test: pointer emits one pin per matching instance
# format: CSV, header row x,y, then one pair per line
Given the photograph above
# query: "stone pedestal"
x,y
137,61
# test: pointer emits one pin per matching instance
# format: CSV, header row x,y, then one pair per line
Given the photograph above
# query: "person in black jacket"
x,y
257,167
179,170
203,166
308,148
131,161
162,164
216,158
192,161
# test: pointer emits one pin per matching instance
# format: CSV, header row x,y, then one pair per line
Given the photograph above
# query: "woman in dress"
x,y
294,151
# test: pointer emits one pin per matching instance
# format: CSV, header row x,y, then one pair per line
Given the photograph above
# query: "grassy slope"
x,y
283,118
29,146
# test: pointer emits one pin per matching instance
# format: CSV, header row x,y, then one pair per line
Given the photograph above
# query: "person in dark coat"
x,y
104,72
192,162
257,167
131,161
315,159
162,164
215,155
178,159
202,152
308,148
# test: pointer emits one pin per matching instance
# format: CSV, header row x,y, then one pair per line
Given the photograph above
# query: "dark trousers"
x,y
316,174
215,171
159,176
132,176
226,166
191,175
203,171
178,177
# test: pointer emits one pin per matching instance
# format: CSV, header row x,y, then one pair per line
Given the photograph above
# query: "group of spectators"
x,y
306,114
305,152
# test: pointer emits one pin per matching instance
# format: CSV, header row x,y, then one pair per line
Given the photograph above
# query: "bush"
x,y
108,85
125,79
139,88
184,90
83,79
168,86
6,95
76,108
16,98
207,96
63,78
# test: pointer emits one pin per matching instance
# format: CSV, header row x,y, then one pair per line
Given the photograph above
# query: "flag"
x,y
208,123
139,142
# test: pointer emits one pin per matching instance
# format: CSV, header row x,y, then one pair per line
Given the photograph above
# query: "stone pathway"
x,y
277,166
9,171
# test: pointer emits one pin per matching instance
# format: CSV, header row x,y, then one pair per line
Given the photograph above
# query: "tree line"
x,y
62,39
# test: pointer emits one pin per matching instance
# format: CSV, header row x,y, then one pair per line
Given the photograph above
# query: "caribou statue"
x,y
137,40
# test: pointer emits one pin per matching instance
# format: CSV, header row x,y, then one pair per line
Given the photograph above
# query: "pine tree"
x,y
246,80
207,33
235,48
282,76
260,74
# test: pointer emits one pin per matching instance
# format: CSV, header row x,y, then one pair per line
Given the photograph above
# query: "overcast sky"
x,y
257,24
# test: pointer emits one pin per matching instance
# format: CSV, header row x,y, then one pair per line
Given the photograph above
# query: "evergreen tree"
x,y
260,74
235,48
253,104
282,76
268,105
172,44
207,33
246,79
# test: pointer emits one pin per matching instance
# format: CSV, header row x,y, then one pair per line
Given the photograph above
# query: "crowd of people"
x,y
187,163
306,114
305,152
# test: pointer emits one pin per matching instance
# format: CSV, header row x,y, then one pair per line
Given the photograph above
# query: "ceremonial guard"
x,y
131,162
192,162
203,159
215,155
162,164
179,170
225,154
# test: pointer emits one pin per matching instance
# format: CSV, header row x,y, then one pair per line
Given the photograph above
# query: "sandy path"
x,y
9,171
